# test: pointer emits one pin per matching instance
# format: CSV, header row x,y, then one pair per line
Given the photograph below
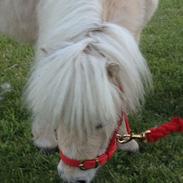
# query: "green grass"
x,y
162,45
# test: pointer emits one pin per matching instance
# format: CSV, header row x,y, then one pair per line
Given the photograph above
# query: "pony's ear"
x,y
113,70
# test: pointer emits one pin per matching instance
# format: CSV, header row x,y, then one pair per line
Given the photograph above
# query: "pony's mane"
x,y
70,83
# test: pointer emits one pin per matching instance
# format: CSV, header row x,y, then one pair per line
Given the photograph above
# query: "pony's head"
x,y
82,88
88,73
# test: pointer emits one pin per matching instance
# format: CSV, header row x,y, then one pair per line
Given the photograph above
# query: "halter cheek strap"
x,y
104,158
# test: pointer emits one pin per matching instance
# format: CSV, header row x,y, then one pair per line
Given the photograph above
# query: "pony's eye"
x,y
99,126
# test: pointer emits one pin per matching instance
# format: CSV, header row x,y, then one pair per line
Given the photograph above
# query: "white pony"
x,y
85,50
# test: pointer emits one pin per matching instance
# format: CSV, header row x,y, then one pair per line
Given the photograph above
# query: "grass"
x,y
162,45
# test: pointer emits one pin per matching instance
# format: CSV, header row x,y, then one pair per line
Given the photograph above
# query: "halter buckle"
x,y
97,162
81,166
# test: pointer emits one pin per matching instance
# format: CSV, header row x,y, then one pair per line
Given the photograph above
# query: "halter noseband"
x,y
104,158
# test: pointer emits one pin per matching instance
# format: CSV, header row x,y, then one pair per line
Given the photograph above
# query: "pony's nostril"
x,y
81,181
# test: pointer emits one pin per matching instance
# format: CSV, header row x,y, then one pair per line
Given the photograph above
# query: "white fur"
x,y
81,60
74,71
18,18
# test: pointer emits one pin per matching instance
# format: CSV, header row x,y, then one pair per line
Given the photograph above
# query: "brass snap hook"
x,y
122,139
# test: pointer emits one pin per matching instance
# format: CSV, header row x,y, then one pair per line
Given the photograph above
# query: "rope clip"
x,y
123,139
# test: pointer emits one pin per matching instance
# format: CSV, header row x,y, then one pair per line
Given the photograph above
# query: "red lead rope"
x,y
155,134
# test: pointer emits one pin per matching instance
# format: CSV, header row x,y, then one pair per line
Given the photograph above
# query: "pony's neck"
x,y
67,20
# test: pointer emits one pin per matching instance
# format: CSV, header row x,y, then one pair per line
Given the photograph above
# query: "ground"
x,y
162,45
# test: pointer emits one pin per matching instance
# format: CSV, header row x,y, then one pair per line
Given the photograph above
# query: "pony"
x,y
85,51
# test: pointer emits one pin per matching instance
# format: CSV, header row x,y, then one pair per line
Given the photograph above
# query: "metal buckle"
x,y
97,162
81,166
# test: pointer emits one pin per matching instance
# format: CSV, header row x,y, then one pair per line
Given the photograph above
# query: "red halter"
x,y
152,135
104,158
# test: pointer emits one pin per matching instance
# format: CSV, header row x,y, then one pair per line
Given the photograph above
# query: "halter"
x,y
104,158
150,136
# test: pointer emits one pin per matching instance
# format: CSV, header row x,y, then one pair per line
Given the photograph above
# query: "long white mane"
x,y
70,84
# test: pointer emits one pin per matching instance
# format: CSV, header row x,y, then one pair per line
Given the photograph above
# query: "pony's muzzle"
x,y
78,181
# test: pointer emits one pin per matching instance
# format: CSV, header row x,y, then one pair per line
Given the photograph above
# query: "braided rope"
x,y
175,125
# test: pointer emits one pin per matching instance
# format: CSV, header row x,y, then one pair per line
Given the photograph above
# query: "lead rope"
x,y
155,134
